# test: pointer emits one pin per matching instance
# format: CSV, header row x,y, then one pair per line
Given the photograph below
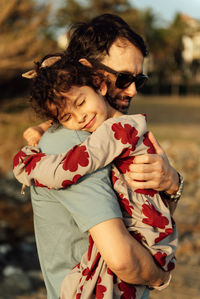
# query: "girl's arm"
x,y
32,135
110,140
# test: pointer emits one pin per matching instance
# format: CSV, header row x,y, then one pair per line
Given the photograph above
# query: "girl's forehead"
x,y
73,93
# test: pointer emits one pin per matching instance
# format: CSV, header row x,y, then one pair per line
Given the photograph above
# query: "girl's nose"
x,y
81,117
131,91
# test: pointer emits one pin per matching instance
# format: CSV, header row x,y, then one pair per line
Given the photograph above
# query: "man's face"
x,y
123,57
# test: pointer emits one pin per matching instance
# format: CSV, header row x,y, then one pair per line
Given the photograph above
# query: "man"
x,y
63,217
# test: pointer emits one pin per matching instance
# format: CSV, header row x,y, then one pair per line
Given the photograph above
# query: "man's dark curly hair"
x,y
51,81
93,39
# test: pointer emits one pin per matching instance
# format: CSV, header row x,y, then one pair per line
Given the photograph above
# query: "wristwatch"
x,y
175,197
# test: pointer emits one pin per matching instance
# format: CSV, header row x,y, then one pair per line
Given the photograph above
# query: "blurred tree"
x,y
22,36
164,41
74,11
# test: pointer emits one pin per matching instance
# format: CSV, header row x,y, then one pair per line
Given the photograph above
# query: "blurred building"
x,y
191,40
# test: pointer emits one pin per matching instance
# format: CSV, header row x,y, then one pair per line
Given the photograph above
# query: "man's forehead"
x,y
124,57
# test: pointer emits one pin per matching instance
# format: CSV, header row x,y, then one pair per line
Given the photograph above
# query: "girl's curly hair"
x,y
51,81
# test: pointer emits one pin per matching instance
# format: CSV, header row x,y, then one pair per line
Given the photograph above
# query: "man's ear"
x,y
85,62
103,88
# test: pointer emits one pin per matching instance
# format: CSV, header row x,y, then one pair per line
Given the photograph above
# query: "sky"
x,y
166,9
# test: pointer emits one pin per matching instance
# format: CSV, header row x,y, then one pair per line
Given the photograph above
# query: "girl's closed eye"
x,y
80,102
65,117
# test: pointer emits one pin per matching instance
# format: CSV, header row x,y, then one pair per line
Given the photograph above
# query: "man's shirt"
x,y
63,217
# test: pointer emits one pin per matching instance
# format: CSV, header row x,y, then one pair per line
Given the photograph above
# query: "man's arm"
x,y
125,256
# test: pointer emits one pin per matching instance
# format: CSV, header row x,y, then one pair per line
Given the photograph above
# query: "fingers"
x,y
147,163
144,159
151,180
32,136
157,146
142,176
144,185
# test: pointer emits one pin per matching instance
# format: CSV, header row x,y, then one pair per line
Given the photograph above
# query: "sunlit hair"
x,y
52,81
93,39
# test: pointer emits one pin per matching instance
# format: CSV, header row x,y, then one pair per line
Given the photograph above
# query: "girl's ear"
x,y
85,62
103,88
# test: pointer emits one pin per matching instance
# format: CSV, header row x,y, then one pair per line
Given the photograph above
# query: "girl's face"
x,y
84,109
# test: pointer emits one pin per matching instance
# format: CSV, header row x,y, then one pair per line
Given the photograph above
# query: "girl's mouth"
x,y
90,123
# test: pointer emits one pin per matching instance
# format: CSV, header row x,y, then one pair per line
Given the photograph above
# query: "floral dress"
x,y
145,214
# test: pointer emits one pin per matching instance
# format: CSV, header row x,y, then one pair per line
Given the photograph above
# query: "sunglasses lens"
x,y
140,80
124,80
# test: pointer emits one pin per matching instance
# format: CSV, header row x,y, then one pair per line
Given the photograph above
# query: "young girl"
x,y
75,96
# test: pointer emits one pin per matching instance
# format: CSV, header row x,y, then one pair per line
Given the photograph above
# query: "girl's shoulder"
x,y
133,119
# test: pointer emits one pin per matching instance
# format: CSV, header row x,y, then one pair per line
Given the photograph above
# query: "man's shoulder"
x,y
58,140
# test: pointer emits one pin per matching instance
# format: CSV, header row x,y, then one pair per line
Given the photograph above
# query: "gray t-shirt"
x,y
63,217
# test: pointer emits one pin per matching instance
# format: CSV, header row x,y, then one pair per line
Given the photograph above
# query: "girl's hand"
x,y
32,135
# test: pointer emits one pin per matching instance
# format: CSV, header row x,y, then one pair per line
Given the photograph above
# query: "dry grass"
x,y
171,118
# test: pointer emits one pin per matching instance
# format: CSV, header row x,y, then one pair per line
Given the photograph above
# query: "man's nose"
x,y
131,91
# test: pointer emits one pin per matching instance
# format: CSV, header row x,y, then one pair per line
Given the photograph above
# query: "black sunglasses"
x,y
124,80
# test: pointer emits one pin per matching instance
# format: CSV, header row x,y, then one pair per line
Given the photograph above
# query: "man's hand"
x,y
153,171
32,135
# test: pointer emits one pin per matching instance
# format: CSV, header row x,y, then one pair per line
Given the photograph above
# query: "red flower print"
x,y
161,236
124,161
148,143
91,243
149,192
125,204
75,157
32,161
37,184
126,134
77,266
154,217
161,258
145,116
91,271
137,236
68,183
100,289
78,296
129,292
114,178
110,272
85,271
18,157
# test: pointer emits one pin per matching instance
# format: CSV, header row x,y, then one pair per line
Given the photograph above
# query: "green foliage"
x,y
22,36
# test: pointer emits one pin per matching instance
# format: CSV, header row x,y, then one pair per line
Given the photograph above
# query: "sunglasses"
x,y
124,80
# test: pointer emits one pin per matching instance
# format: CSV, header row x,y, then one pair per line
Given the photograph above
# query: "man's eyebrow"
x,y
131,73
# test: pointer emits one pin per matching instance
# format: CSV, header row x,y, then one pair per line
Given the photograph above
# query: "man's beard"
x,y
116,100
119,102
